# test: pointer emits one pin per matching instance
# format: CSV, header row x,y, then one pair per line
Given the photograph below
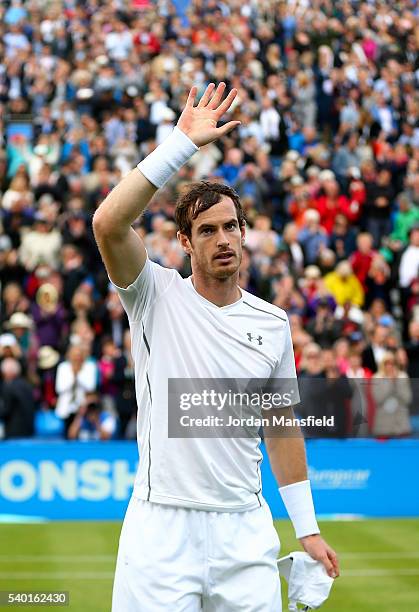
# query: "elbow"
x,y
106,226
99,223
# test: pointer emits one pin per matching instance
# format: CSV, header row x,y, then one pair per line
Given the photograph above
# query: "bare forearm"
x,y
73,430
125,203
287,457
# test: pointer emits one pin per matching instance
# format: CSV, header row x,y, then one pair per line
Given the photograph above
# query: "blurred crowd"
x,y
326,161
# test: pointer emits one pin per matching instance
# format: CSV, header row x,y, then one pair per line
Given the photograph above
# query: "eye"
x,y
206,231
231,226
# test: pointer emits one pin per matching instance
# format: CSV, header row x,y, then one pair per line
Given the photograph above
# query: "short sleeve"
x,y
285,375
152,281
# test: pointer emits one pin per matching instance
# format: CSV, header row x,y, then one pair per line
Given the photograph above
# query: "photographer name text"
x,y
251,421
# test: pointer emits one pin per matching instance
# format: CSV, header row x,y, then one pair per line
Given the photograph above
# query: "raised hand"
x,y
199,122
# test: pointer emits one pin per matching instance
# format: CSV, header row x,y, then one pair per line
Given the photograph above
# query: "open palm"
x,y
199,122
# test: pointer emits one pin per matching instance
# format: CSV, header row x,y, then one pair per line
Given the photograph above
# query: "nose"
x,y
222,238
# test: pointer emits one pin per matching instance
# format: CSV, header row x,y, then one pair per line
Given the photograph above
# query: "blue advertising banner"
x,y
67,480
93,480
353,478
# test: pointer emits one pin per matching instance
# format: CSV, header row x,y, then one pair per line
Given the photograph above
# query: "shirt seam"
x,y
144,316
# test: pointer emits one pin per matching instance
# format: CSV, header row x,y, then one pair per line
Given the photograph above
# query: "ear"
x,y
185,243
243,233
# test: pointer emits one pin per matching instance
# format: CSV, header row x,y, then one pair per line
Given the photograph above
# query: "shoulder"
x,y
161,270
258,305
63,366
150,270
330,276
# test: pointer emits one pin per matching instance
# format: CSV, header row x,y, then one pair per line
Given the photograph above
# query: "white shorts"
x,y
183,560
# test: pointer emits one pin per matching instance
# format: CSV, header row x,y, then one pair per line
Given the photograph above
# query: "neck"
x,y
220,292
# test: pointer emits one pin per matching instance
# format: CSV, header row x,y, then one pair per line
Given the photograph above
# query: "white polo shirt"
x,y
178,334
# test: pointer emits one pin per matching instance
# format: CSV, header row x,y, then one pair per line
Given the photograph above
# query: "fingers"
x,y
328,565
330,562
223,108
335,562
206,95
217,96
191,97
225,129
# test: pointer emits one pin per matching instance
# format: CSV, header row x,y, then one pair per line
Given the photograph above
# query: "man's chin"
x,y
224,271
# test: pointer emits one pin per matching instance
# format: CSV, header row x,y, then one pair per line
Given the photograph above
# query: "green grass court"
x,y
379,562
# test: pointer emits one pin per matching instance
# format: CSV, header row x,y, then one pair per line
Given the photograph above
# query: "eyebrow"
x,y
212,225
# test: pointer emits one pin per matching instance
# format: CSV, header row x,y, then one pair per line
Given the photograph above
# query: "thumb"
x,y
228,127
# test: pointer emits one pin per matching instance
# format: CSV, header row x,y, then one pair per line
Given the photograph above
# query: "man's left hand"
x,y
319,550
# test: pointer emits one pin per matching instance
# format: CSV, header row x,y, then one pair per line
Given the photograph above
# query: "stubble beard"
x,y
221,273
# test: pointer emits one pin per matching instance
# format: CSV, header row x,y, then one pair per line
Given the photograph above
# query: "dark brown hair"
x,y
199,197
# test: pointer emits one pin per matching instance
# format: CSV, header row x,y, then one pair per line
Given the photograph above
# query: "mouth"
x,y
225,256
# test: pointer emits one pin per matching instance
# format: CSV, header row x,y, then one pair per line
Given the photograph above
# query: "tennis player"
x,y
198,534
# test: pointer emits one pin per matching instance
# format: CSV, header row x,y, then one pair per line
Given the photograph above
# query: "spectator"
x,y
361,258
409,262
21,326
323,391
271,124
312,237
373,354
41,245
335,398
115,321
73,270
18,193
305,108
17,406
378,284
331,202
260,234
324,328
405,218
48,359
230,170
251,184
292,246
312,285
287,296
378,205
126,405
392,394
13,300
76,376
342,239
48,316
92,422
346,158
300,200
344,285
109,367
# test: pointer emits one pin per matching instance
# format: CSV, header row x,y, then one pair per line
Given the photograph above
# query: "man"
x,y
373,354
92,422
197,534
17,406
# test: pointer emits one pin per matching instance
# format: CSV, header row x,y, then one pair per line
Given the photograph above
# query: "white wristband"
x,y
298,501
167,158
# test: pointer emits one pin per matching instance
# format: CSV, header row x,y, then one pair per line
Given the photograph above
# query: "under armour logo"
x,y
251,337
